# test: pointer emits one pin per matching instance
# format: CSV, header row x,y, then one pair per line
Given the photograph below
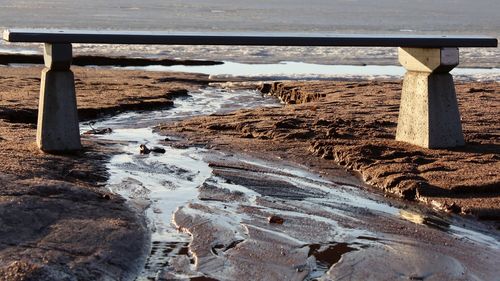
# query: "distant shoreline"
x,y
6,59
141,55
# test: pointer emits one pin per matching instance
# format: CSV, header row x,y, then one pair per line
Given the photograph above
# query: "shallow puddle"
x,y
220,216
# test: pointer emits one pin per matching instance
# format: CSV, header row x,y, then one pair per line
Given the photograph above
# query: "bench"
x,y
428,116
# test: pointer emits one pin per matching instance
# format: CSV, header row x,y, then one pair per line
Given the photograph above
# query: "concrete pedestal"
x,y
428,114
58,129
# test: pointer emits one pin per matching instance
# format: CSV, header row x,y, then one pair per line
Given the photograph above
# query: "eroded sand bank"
x,y
327,115
58,222
353,124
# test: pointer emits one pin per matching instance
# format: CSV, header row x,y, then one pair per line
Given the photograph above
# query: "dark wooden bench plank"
x,y
248,39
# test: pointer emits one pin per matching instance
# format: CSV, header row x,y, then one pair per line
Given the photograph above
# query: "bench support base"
x,y
428,114
58,129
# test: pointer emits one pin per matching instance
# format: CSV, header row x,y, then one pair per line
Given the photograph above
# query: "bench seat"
x,y
245,39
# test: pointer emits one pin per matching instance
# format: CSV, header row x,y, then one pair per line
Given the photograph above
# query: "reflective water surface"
x,y
223,216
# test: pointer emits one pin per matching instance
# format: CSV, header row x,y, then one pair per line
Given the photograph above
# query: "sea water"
x,y
316,16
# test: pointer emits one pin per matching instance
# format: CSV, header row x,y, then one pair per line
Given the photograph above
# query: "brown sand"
x,y
57,221
353,124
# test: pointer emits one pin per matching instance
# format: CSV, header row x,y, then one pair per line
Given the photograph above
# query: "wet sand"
x,y
58,221
353,124
276,230
325,124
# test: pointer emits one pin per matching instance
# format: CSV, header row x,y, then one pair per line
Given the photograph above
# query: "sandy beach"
x,y
342,130
269,163
353,125
58,222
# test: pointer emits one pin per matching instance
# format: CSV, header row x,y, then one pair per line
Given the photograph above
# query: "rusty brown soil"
x,y
353,124
57,221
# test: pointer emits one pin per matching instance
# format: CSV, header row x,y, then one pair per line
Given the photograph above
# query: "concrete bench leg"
x,y
58,129
428,114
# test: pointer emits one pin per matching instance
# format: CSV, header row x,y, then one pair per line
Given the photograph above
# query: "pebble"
x,y
275,219
145,150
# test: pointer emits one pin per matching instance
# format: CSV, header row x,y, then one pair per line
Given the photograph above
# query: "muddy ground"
x,y
353,124
59,223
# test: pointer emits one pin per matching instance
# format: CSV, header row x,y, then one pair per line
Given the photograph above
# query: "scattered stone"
x,y
275,219
145,150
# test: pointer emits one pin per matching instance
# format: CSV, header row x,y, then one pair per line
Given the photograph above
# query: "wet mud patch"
x,y
353,125
100,92
327,256
267,186
330,254
231,235
106,238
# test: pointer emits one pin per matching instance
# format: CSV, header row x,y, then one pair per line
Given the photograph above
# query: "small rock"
x,y
275,219
145,150
282,252
158,150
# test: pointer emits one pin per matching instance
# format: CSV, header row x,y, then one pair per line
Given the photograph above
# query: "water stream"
x,y
275,221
